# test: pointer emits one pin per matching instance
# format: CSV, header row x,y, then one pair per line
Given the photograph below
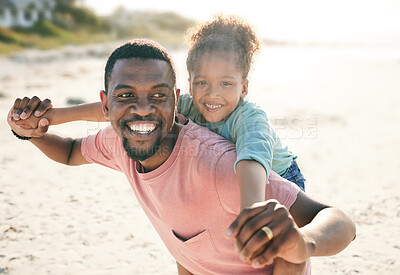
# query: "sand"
x,y
337,108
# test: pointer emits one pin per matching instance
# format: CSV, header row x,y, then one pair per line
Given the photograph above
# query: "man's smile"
x,y
142,127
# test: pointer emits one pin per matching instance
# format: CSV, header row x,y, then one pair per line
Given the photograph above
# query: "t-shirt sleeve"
x,y
254,137
281,189
103,148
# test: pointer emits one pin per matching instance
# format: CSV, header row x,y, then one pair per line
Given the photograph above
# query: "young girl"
x,y
218,64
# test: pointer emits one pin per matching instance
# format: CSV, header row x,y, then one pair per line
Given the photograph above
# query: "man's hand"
x,y
63,150
21,120
23,108
256,247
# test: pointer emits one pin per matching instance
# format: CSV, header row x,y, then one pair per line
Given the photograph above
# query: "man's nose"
x,y
142,108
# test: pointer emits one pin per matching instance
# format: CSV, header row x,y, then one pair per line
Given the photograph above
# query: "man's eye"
x,y
126,95
159,95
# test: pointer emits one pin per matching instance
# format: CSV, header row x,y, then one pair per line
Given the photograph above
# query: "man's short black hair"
x,y
138,48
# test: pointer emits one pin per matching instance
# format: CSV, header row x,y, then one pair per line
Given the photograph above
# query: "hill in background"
x,y
73,25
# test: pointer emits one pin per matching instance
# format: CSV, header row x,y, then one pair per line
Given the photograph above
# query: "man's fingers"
x,y
266,257
15,110
252,227
19,109
43,107
22,105
246,215
270,212
286,242
263,239
32,104
259,241
17,101
23,108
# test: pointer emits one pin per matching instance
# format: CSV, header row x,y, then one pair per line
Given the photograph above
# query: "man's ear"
x,y
245,89
177,93
104,104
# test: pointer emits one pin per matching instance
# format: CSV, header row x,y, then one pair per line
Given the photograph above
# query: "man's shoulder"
x,y
105,140
105,148
206,136
203,140
106,135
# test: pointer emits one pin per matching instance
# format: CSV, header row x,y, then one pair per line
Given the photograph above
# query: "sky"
x,y
306,20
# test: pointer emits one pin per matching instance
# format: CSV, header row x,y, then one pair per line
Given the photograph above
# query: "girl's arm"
x,y
252,179
254,139
23,109
87,112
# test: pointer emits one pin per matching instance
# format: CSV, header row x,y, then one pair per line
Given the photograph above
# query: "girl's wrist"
x,y
50,114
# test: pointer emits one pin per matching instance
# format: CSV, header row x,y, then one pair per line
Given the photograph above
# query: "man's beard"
x,y
136,153
140,154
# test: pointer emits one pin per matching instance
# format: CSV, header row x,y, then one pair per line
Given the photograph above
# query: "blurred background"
x,y
328,77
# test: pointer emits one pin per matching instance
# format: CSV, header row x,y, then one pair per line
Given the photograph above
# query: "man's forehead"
x,y
142,68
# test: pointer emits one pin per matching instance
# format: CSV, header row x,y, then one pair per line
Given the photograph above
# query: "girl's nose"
x,y
213,91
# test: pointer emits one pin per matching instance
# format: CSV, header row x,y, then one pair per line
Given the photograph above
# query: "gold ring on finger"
x,y
268,232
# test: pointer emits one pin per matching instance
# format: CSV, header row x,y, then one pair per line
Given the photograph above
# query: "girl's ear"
x,y
104,104
245,89
190,87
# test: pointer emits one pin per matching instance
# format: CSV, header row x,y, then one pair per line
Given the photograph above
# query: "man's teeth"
x,y
142,128
213,106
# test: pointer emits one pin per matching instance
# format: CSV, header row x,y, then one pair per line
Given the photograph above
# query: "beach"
x,y
336,107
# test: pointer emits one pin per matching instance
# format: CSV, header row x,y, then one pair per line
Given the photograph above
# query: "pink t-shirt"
x,y
192,198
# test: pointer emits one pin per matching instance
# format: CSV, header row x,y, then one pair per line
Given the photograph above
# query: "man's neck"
x,y
166,147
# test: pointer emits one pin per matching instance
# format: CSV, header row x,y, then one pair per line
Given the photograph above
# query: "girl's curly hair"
x,y
224,33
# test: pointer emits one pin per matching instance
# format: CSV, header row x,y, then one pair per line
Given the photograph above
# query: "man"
x,y
182,175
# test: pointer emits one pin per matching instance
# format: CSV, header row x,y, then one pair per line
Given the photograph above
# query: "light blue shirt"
x,y
250,130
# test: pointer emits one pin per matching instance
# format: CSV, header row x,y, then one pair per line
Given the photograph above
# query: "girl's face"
x,y
216,85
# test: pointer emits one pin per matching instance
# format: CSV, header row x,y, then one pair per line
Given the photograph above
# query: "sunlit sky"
x,y
306,20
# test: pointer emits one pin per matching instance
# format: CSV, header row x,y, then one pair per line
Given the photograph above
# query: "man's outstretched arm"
x,y
63,150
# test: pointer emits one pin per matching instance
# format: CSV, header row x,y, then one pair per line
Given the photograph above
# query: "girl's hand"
x,y
266,231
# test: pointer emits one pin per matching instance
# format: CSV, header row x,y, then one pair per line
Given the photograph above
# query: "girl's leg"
x,y
294,175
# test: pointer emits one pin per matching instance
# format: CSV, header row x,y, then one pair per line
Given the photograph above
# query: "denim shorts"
x,y
294,175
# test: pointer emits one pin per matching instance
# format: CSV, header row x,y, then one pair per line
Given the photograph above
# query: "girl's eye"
x,y
225,83
201,82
